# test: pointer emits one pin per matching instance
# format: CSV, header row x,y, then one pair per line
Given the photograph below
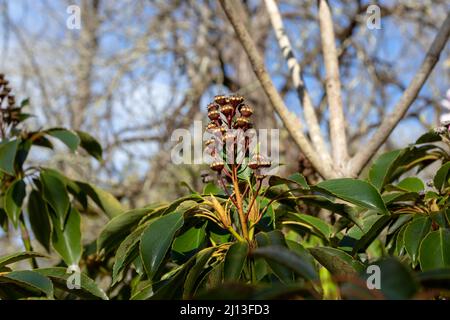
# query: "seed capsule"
x,y
227,110
212,107
211,126
246,111
221,100
214,115
11,100
242,123
217,166
258,162
236,100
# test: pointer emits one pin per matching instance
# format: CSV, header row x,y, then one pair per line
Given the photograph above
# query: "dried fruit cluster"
x,y
229,147
230,118
10,114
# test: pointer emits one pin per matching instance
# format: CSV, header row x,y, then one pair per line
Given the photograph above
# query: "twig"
x,y
297,79
333,86
388,124
293,128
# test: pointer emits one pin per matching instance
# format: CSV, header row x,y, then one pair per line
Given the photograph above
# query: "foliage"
x,y
247,237
43,200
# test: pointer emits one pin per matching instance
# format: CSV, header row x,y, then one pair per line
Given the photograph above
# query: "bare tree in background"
x,y
138,69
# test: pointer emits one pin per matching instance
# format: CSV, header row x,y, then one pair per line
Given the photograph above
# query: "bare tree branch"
x,y
295,129
358,162
297,79
333,86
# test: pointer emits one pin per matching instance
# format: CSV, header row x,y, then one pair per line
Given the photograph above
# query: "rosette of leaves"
x,y
41,202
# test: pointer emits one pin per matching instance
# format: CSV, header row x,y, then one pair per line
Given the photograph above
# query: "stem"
x,y
226,190
237,192
234,233
253,271
27,240
254,196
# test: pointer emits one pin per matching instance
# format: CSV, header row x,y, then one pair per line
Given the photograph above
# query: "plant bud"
x,y
211,126
236,100
214,115
258,162
217,166
246,111
221,100
242,123
212,107
11,100
227,110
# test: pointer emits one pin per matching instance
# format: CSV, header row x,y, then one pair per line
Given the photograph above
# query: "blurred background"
x,y
136,70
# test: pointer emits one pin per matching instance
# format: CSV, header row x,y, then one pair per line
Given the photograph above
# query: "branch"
x,y
297,79
388,124
257,63
333,86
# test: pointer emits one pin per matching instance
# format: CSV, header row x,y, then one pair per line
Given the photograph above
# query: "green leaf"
x,y
67,242
7,155
106,201
13,200
411,184
69,138
289,259
341,209
382,167
196,272
437,278
39,219
303,253
275,238
374,231
235,261
156,240
295,180
119,228
434,251
90,144
315,224
415,231
397,282
211,188
442,175
25,102
88,287
29,280
358,192
430,136
55,193
337,261
185,245
19,256
126,253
